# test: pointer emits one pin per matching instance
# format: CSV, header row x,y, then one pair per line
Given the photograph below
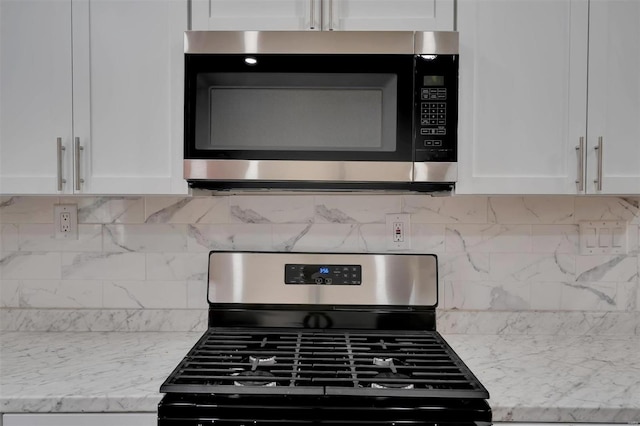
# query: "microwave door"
x,y
299,107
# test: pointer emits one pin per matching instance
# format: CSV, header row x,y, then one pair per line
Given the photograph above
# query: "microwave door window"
x,y
296,111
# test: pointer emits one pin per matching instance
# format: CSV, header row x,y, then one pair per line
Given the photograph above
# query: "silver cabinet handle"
x,y
330,15
580,151
78,148
312,22
60,150
598,180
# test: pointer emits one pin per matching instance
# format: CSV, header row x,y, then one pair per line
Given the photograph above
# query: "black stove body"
x,y
322,339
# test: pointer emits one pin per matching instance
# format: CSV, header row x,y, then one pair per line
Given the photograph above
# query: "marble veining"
x,y
597,272
261,209
333,215
247,215
114,209
113,238
290,243
503,299
544,378
165,214
113,320
608,208
534,210
27,209
186,210
599,294
532,323
446,210
251,236
197,234
529,378
7,202
10,257
104,265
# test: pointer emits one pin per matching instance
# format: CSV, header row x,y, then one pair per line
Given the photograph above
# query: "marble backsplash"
x,y
506,263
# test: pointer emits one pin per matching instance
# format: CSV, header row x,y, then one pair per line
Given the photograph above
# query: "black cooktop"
x,y
324,362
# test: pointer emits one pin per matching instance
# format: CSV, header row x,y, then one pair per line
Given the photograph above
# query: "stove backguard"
x,y
331,280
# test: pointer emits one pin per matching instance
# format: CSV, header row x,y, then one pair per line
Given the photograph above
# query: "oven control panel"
x,y
323,274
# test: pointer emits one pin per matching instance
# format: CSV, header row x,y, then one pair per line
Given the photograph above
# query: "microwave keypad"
x,y
433,114
431,132
435,94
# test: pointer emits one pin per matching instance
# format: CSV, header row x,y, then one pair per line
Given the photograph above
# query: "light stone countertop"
x,y
530,378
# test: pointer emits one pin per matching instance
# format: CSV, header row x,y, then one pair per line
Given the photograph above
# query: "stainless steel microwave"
x,y
321,110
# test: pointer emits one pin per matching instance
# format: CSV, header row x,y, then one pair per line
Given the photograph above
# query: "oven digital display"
x,y
323,274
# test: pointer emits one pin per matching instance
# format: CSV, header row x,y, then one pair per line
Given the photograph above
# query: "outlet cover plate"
x,y
61,229
603,237
405,242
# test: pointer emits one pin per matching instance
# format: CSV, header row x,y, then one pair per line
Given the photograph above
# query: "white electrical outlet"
x,y
65,221
398,231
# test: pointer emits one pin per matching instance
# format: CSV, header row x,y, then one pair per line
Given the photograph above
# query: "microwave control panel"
x,y
436,108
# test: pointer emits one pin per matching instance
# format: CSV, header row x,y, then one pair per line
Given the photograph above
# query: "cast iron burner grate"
x,y
353,363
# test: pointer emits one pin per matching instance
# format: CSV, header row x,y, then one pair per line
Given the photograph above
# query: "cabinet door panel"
x,y
256,15
35,94
614,95
128,68
523,70
385,15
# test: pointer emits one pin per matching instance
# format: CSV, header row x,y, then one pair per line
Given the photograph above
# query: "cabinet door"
x,y
523,74
35,95
388,15
128,95
614,96
256,15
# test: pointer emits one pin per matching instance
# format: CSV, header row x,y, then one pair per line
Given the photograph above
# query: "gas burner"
x,y
259,378
393,374
262,360
381,384
383,362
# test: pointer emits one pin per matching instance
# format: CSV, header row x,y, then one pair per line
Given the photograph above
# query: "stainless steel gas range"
x,y
322,339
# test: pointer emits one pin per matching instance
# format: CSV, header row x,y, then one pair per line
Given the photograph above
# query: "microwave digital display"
x,y
433,80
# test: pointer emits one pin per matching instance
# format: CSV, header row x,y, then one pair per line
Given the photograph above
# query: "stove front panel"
x,y
342,279
295,410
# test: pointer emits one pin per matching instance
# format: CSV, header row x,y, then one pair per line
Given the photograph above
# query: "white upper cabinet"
x,y
614,97
389,15
325,15
258,15
35,96
523,76
119,118
526,125
128,95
